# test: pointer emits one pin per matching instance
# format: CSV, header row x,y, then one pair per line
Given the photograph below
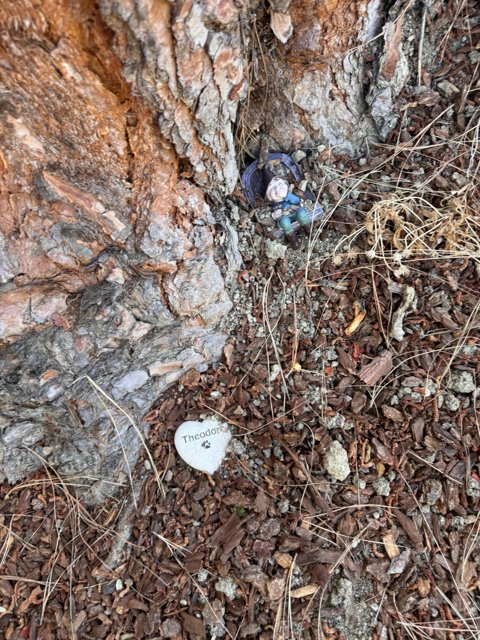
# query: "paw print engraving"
x,y
206,444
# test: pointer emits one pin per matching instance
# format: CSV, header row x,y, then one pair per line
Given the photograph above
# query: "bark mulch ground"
x,y
348,505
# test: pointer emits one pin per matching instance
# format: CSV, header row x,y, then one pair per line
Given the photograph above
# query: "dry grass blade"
x,y
405,228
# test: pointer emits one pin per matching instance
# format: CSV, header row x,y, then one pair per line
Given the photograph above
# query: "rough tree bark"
x,y
334,81
116,122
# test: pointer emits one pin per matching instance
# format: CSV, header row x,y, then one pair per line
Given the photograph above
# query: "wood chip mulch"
x,y
276,545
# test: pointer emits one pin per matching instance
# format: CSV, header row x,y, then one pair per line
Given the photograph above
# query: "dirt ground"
x,y
348,505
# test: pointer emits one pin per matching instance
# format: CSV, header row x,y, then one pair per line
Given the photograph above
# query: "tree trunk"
x,y
334,80
116,121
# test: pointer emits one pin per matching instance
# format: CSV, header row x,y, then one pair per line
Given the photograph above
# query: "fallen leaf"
x,y
226,531
78,621
378,569
355,323
302,592
35,597
6,589
409,527
191,378
433,444
390,546
371,373
423,587
382,452
263,549
443,317
359,400
317,556
467,575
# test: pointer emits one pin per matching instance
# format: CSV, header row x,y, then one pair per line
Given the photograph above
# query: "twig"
x,y
420,42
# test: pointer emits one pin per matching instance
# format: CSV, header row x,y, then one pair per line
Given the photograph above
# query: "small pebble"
x,y
298,156
447,89
171,628
461,382
202,575
228,586
237,447
275,250
381,486
452,402
335,461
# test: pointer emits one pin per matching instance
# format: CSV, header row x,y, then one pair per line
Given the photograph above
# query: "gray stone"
x,y
228,586
359,482
381,486
237,447
275,250
269,529
433,491
342,594
461,382
356,616
299,155
171,628
330,354
335,461
473,488
399,564
452,402
202,575
337,422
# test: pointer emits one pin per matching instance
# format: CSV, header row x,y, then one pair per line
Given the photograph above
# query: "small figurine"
x,y
278,195
259,181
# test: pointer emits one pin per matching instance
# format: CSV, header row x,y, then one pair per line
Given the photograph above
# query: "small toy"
x,y
277,189
288,211
278,195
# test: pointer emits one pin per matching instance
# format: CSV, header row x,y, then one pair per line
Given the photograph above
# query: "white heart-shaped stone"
x,y
202,445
